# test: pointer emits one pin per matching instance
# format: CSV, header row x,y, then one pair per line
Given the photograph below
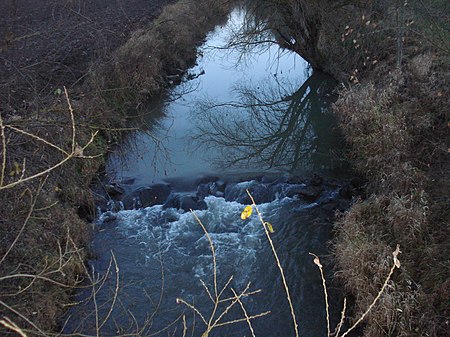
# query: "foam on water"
x,y
178,235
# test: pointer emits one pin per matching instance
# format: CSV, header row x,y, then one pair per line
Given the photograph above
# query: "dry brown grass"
x,y
44,168
156,57
49,157
395,122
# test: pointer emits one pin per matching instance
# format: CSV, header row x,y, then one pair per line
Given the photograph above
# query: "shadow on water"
x,y
271,126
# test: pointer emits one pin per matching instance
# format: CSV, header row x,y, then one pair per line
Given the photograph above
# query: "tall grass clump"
x,y
392,58
394,120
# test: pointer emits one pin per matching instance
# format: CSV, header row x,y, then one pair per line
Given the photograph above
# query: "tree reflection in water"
x,y
271,126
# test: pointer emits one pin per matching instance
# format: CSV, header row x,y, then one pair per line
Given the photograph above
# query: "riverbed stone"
x,y
203,190
221,185
294,179
185,202
261,193
108,217
346,191
189,202
156,194
316,180
115,206
215,188
206,179
114,189
173,201
310,193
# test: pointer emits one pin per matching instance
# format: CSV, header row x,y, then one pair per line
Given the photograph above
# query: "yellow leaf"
x,y
269,227
246,212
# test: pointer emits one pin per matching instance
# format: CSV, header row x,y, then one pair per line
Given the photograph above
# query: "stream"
x,y
259,122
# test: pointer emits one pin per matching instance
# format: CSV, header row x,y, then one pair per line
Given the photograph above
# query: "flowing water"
x,y
258,122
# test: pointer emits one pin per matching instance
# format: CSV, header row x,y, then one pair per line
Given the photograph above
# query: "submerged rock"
x,y
310,193
316,180
215,188
114,189
108,217
185,202
156,194
262,193
188,203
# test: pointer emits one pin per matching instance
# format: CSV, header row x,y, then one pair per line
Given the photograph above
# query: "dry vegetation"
x,y
396,120
52,140
157,56
392,58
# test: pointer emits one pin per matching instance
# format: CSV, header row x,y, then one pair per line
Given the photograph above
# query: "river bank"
x,y
54,141
393,62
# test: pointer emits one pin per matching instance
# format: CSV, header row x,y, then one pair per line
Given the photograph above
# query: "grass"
x,y
156,57
392,59
395,121
50,154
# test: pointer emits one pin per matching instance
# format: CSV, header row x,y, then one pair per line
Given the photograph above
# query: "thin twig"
x,y
9,324
227,309
283,278
116,291
245,312
244,319
207,290
184,326
24,224
212,250
37,138
341,322
77,153
190,306
243,295
395,265
72,117
22,316
2,173
325,292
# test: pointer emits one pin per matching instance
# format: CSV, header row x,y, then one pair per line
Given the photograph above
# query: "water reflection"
x,y
271,126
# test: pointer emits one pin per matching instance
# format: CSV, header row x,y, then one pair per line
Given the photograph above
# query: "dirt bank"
x,y
47,44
